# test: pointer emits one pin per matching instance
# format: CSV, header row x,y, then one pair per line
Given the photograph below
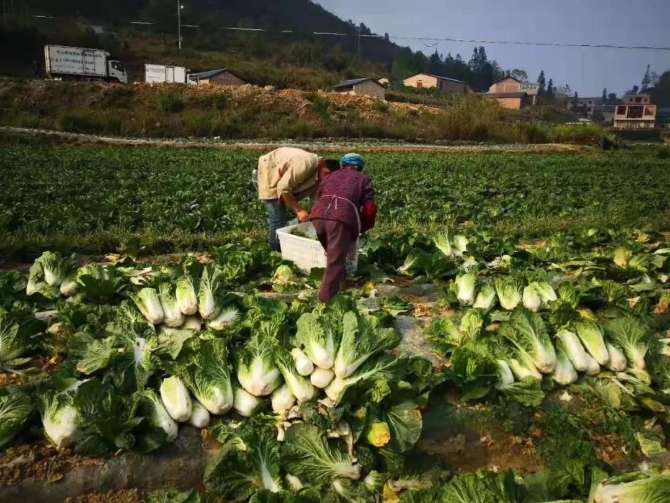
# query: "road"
x,y
335,145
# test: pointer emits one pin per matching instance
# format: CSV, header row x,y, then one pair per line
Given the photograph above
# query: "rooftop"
x,y
354,82
207,75
504,95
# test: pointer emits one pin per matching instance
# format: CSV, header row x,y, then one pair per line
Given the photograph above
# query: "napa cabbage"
x,y
318,339
149,303
362,338
256,369
528,334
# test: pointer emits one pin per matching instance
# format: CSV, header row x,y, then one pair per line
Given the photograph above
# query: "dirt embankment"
x,y
249,112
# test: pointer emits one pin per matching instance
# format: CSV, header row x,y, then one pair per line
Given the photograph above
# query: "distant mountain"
x,y
302,17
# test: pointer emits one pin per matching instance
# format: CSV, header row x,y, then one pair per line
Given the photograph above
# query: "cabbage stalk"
x,y
226,318
257,371
69,286
486,297
173,316
176,399
574,350
321,378
282,400
524,369
60,418
508,293
318,339
199,416
632,337
618,362
193,323
303,365
505,375
564,374
187,298
593,339
592,369
245,404
157,416
640,487
466,285
527,333
300,386
211,285
531,298
149,304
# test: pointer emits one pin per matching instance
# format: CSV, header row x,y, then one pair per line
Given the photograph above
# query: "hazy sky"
x,y
617,22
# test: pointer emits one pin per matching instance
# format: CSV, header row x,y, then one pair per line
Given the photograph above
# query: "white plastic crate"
x,y
308,254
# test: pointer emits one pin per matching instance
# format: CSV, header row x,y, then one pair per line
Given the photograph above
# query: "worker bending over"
x,y
284,178
344,209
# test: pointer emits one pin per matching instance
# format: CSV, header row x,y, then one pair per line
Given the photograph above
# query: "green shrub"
x,y
321,105
381,106
80,122
199,124
118,96
663,153
583,134
169,102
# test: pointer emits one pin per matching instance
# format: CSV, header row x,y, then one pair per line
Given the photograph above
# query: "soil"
x,y
485,449
129,496
39,462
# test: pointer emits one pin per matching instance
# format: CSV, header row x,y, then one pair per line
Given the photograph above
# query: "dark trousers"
x,y
336,238
278,216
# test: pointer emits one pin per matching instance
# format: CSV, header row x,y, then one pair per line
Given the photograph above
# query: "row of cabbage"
x,y
303,398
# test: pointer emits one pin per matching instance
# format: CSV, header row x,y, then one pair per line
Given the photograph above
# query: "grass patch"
x,y
170,103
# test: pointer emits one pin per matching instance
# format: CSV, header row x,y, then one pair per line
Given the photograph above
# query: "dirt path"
x,y
334,145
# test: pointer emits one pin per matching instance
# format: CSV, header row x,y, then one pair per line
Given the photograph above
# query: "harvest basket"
x,y
308,254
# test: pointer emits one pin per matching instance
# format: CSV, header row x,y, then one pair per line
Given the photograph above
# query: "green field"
x,y
504,338
90,198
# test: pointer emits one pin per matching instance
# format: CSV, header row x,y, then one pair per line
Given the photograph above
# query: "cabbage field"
x,y
505,339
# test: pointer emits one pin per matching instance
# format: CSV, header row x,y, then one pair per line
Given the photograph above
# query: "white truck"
x,y
82,64
164,74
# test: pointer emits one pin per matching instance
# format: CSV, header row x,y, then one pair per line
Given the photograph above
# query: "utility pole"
x,y
359,41
179,8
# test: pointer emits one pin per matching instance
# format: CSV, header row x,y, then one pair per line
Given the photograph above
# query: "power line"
x,y
359,35
475,41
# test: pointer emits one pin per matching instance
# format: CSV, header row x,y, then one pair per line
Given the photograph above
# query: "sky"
x,y
587,70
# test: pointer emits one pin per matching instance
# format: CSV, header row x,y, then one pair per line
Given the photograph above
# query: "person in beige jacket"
x,y
284,178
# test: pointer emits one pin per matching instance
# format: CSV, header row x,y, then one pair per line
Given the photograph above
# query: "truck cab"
x,y
117,71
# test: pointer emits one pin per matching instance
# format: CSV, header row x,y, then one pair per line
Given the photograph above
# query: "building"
x,y
663,118
635,117
512,93
585,107
445,84
511,100
362,87
637,99
221,77
512,85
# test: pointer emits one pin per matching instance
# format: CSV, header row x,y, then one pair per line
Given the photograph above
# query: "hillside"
x,y
21,39
252,112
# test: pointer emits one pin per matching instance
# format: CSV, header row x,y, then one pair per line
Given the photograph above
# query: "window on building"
x,y
635,112
621,110
589,110
419,83
638,100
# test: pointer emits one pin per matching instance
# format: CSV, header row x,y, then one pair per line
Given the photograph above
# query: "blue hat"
x,y
353,160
